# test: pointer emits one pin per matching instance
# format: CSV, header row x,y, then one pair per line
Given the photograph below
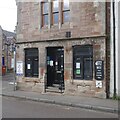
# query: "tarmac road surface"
x,y
19,108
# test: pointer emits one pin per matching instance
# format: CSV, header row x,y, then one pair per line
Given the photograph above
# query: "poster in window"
x,y
56,63
51,63
77,65
78,72
28,66
48,62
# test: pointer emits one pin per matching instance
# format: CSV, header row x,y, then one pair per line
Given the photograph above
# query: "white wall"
x,y
117,45
0,72
117,36
0,50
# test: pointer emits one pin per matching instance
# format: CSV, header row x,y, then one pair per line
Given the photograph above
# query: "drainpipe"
x,y
113,51
14,51
114,48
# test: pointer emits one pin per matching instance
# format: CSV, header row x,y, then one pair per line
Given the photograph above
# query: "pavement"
x,y
105,105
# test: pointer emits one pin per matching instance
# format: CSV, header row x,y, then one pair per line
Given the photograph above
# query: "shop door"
x,y
55,67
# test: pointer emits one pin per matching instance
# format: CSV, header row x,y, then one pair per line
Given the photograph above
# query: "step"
x,y
53,89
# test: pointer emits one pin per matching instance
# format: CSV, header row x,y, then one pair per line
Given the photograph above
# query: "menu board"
x,y
99,70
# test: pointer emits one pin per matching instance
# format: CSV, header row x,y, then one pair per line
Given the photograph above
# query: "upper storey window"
x,y
65,11
55,12
45,10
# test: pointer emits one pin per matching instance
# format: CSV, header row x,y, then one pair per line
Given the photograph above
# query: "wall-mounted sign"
x,y
99,84
99,70
78,68
19,68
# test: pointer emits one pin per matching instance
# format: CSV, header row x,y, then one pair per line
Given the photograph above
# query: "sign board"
x,y
99,84
19,68
99,70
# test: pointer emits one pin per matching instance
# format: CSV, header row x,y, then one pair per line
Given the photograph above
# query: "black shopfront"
x,y
83,62
31,62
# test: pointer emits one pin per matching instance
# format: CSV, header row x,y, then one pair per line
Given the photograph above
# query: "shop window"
x,y
83,62
31,62
65,11
45,10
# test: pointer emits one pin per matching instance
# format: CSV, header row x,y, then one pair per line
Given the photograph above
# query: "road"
x,y
19,108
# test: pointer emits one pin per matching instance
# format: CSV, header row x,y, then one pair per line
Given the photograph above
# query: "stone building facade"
x,y
68,56
8,39
9,42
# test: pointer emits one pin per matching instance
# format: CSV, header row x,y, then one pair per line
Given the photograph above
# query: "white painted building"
x,y
115,66
0,50
118,50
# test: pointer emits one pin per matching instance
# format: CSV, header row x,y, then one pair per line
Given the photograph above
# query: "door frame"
x,y
54,48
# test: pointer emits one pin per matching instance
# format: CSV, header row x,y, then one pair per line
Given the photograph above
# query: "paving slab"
x,y
107,105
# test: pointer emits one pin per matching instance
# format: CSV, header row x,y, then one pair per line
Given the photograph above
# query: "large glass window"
x,y
83,62
65,11
31,62
45,10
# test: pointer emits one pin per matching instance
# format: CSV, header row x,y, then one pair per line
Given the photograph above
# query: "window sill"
x,y
82,82
78,80
55,26
66,24
44,27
